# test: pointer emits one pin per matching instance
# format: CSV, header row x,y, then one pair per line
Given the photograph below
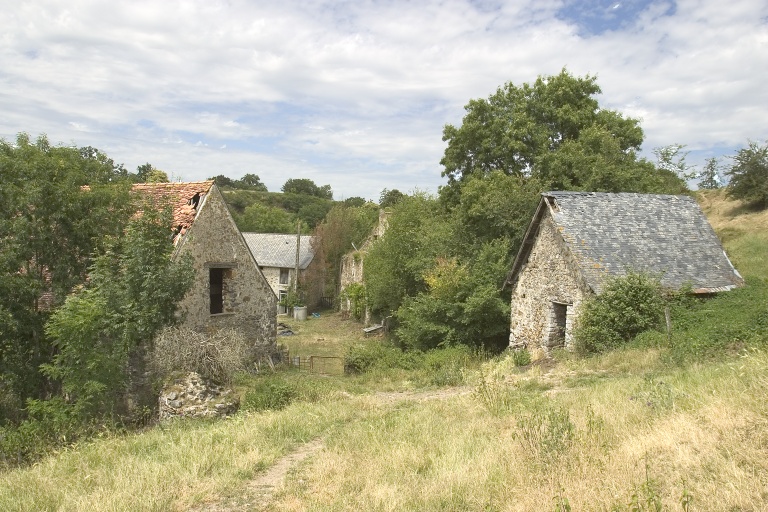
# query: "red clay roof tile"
x,y
183,198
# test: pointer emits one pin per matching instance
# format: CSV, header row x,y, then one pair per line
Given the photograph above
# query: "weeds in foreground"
x,y
547,433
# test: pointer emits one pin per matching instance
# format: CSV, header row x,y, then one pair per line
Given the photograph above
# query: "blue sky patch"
x,y
596,17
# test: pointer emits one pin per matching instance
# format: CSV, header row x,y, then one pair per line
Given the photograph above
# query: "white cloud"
x,y
355,94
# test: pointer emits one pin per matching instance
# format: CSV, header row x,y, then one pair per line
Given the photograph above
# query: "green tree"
x,y
552,130
133,291
389,198
157,176
314,212
496,206
50,226
462,303
222,181
355,201
307,187
251,182
672,158
748,176
258,218
397,263
147,173
710,178
143,171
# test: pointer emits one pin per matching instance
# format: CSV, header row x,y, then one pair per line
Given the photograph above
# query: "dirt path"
x,y
258,493
421,396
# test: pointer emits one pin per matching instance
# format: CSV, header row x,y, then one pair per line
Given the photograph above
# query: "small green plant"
x,y
547,432
686,498
292,299
521,357
561,502
656,394
646,496
271,394
495,396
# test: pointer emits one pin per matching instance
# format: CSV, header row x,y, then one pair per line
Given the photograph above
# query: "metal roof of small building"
x,y
610,234
279,250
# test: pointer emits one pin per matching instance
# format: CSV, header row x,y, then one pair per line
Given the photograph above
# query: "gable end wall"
x,y
250,304
550,274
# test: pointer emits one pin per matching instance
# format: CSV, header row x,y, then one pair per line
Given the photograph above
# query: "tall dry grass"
x,y
696,434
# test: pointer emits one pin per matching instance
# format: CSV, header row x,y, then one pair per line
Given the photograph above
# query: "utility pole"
x,y
298,247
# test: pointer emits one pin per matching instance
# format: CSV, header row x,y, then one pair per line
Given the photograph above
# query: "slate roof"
x,y
279,250
611,233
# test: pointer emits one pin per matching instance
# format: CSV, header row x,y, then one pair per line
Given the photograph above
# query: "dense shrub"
x,y
627,306
437,367
357,297
365,357
50,424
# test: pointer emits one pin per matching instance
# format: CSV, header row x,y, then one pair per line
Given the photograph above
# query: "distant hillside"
x,y
275,212
730,216
742,229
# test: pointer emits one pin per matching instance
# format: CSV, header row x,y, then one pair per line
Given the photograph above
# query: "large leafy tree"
x,y
553,130
748,176
307,187
50,226
396,264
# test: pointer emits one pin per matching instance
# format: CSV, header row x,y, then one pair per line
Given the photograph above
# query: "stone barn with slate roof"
x,y
578,239
229,290
276,256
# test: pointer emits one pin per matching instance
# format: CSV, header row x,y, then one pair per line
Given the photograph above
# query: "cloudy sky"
x,y
355,94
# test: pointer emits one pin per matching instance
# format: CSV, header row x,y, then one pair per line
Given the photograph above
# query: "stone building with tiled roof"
x,y
276,256
229,290
578,239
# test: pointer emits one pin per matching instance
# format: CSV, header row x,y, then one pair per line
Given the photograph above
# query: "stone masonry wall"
x,y
250,305
351,272
549,276
272,275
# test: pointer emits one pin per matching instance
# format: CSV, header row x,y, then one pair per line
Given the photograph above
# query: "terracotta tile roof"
x,y
184,198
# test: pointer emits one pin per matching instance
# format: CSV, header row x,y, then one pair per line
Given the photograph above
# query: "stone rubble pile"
x,y
193,396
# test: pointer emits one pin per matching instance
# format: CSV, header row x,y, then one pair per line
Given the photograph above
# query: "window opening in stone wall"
x,y
282,309
558,318
284,275
217,290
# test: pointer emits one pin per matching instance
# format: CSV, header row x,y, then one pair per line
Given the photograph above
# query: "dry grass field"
x,y
631,430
